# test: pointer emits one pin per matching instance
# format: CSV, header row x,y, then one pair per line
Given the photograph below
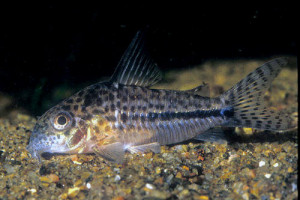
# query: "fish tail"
x,y
246,100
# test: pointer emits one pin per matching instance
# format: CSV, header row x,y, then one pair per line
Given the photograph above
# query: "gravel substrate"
x,y
252,165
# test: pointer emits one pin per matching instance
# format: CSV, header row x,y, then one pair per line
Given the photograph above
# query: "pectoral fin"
x,y
154,147
112,152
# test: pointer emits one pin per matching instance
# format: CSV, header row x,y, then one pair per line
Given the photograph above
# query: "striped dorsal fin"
x,y
136,67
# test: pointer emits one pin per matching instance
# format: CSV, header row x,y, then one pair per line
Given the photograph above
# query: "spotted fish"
x,y
124,114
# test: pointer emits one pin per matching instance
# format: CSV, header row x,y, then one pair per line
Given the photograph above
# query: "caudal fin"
x,y
246,100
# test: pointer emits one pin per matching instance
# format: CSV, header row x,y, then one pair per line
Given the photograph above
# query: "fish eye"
x,y
61,121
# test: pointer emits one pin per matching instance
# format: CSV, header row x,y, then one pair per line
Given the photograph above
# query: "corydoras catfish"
x,y
125,114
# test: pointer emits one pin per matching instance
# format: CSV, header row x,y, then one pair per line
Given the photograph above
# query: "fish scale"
x,y
125,114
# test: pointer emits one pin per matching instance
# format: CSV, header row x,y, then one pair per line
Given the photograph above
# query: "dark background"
x,y
50,51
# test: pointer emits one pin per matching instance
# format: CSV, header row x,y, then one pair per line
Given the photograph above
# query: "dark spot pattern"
x,y
112,107
99,101
66,107
87,101
75,107
87,117
111,97
124,117
78,100
118,104
70,101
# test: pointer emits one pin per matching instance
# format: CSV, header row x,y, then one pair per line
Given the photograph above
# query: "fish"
x,y
125,114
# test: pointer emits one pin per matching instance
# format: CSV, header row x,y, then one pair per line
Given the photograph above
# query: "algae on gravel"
x,y
253,165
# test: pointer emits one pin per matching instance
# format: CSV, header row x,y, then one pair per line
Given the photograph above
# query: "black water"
x,y
46,50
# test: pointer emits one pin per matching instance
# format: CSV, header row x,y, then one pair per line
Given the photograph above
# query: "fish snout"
x,y
34,152
36,147
42,143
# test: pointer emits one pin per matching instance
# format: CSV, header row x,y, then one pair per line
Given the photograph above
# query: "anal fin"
x,y
154,147
112,152
215,134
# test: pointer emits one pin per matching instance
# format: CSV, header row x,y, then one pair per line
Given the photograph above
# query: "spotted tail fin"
x,y
246,99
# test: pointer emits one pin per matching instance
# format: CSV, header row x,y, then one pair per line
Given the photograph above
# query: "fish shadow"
x,y
48,156
257,137
266,136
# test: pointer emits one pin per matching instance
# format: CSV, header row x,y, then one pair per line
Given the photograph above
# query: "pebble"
x,y
72,192
88,186
157,170
201,197
267,175
117,170
262,163
169,178
117,178
294,187
276,165
118,198
149,186
290,170
184,192
54,178
9,168
246,196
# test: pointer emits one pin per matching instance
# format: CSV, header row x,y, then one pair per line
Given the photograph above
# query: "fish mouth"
x,y
45,152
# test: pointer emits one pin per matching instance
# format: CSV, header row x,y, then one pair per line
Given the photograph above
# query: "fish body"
x,y
124,114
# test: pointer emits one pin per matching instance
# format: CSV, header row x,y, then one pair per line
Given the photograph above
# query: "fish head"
x,y
58,130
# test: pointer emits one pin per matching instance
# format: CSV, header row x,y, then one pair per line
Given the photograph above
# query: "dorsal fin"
x,y
136,67
202,90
